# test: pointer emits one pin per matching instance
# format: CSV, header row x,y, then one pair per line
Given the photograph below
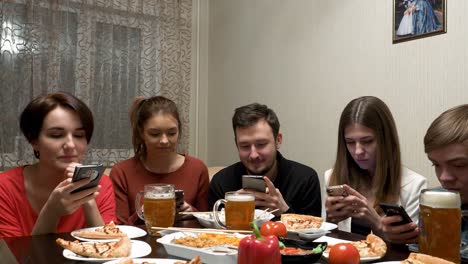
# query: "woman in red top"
x,y
38,198
156,130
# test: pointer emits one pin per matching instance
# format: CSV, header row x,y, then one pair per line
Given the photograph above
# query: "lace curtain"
x,y
105,52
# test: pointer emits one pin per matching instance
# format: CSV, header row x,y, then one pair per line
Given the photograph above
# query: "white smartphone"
x,y
254,182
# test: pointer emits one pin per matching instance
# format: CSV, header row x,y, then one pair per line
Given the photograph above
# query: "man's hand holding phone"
x,y
268,196
397,226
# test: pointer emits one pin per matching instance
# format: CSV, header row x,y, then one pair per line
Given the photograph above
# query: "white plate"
x,y
207,219
332,241
325,226
312,233
131,231
152,260
139,249
388,262
207,255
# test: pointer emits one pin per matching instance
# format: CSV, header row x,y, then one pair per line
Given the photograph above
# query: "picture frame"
x,y
415,19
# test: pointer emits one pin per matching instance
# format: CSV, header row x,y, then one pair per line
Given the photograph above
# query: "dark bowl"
x,y
307,245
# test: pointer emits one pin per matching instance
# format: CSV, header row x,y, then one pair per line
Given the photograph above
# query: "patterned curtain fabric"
x,y
105,52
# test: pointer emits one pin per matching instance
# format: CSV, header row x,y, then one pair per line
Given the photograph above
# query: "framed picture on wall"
x,y
414,19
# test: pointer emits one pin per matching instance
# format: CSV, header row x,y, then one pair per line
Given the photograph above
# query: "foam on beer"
x,y
240,198
159,195
438,199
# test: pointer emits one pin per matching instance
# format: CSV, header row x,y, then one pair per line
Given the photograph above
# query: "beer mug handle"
x,y
139,205
215,213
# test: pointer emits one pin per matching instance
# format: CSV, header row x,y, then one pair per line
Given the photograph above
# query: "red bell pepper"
x,y
256,249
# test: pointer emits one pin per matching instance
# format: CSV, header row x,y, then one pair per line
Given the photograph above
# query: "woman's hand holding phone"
x,y
353,205
62,201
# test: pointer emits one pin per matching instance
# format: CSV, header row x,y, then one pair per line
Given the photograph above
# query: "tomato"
x,y
343,253
270,228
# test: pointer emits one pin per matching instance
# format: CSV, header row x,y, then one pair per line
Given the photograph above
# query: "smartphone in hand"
x,y
394,209
253,182
336,190
88,171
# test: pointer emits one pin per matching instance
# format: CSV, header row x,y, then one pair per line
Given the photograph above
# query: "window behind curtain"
x,y
106,53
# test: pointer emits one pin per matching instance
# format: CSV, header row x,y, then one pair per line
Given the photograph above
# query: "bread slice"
x,y
418,258
298,221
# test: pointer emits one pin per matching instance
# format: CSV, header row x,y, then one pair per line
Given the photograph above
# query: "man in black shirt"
x,y
291,187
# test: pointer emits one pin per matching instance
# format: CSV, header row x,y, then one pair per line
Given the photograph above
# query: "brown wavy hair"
x,y
373,113
143,109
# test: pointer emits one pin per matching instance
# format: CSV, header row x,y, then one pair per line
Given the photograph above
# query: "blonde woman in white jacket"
x,y
368,165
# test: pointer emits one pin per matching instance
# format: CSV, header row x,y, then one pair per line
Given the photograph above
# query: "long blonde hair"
x,y
373,113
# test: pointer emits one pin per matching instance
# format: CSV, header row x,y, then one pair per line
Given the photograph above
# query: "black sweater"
x,y
298,183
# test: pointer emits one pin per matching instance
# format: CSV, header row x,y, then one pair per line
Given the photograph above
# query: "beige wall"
x,y
307,58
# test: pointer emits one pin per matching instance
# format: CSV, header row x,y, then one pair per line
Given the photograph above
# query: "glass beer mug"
x,y
440,224
239,210
159,205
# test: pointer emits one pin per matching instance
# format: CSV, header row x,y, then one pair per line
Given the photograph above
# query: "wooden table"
x,y
43,249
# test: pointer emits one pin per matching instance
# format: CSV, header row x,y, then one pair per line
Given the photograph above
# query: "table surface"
x,y
43,249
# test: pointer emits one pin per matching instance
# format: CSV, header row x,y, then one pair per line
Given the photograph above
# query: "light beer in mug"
x,y
158,206
440,224
159,210
239,210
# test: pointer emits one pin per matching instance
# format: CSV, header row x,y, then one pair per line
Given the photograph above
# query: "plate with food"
x,y
104,251
206,219
370,249
211,247
108,232
195,260
297,223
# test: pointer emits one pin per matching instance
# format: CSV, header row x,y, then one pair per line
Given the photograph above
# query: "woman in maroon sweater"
x,y
156,130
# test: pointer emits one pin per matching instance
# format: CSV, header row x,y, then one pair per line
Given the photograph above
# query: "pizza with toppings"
x,y
117,249
418,258
298,221
108,231
373,246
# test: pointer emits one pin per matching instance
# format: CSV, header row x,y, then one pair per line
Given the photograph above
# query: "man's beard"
x,y
263,172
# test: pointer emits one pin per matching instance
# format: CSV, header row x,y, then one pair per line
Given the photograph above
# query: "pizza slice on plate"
x,y
108,231
372,246
117,249
298,221
418,258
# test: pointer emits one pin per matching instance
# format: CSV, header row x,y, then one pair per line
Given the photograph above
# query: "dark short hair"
x,y
33,115
143,109
249,115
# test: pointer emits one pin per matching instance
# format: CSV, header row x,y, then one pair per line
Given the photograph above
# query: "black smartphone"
x,y
253,182
395,209
88,171
337,190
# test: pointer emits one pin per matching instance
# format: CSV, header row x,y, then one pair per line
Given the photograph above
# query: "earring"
x,y
36,154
